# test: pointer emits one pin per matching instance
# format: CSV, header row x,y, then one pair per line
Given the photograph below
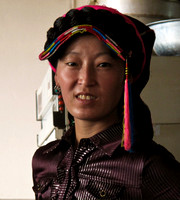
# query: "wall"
x,y
23,31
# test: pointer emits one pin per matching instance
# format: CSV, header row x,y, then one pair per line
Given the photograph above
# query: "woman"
x,y
101,62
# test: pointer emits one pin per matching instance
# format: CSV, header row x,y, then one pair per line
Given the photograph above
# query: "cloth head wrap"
x,y
144,35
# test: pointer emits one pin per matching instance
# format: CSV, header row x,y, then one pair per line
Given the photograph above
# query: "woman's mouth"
x,y
85,97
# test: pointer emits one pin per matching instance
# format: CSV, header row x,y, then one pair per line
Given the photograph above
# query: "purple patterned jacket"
x,y
100,169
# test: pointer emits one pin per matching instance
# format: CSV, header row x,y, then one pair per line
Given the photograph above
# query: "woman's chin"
x,y
94,116
86,116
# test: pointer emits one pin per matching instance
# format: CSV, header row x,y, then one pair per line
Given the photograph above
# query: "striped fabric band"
x,y
47,53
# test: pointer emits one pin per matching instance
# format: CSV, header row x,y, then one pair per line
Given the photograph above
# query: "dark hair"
x,y
124,34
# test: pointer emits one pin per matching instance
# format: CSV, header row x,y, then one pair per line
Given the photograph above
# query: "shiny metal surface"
x,y
167,41
144,10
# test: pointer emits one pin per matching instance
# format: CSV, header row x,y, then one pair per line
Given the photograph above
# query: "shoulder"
x,y
46,158
44,167
42,154
161,173
46,148
43,151
158,156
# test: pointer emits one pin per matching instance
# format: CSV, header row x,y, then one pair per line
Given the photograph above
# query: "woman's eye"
x,y
71,64
104,64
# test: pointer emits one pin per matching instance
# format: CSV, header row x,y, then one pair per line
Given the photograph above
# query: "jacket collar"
x,y
107,140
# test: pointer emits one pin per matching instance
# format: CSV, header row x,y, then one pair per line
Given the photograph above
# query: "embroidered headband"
x,y
48,52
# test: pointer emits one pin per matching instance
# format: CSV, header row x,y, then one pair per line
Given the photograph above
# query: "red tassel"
x,y
128,125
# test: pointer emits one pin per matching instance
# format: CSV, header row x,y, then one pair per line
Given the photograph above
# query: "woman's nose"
x,y
87,76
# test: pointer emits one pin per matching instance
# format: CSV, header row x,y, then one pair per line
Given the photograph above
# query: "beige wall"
x,y
162,92
22,35
162,95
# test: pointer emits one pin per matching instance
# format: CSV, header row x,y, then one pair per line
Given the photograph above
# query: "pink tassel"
x,y
127,125
128,119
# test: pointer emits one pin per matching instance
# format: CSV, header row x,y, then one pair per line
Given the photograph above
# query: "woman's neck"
x,y
87,128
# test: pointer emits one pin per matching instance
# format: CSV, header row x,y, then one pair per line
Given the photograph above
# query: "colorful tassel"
x,y
128,115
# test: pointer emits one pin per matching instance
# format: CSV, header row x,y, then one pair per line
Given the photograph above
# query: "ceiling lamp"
x,y
167,41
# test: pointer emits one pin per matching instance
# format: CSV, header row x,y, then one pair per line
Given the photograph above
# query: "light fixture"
x,y
167,41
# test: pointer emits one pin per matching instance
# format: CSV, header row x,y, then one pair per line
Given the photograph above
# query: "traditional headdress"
x,y
140,75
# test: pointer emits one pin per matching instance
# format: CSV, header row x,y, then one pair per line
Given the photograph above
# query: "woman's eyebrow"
x,y
103,53
107,52
96,55
65,54
71,52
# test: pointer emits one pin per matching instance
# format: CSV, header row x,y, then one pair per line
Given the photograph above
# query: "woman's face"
x,y
91,79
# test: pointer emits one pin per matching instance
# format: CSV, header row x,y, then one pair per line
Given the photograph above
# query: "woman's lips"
x,y
85,97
